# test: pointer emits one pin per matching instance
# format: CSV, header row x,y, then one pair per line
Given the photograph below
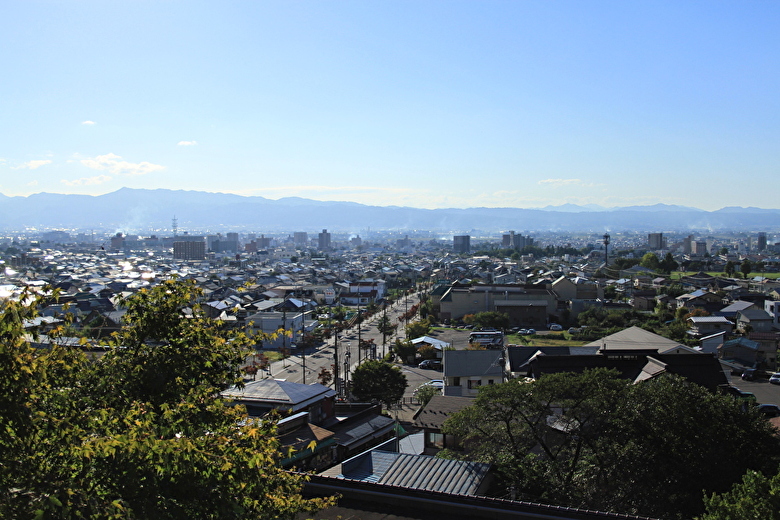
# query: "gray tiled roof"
x,y
463,363
435,474
282,392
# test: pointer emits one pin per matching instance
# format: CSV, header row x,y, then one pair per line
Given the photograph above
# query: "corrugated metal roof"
x,y
435,474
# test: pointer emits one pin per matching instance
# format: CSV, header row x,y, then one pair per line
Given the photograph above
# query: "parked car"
x,y
775,378
531,331
435,383
522,332
738,394
555,327
434,364
749,374
574,330
769,410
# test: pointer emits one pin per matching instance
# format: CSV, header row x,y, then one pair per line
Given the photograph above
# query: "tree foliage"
x,y
756,496
746,267
596,441
491,319
385,326
417,329
142,432
378,381
650,261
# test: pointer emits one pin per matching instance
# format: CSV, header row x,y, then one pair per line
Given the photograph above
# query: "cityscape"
x,y
371,260
320,308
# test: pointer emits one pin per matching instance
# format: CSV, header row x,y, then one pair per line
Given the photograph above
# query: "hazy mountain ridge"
x,y
140,210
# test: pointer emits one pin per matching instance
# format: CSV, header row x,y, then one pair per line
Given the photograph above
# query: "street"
x,y
292,368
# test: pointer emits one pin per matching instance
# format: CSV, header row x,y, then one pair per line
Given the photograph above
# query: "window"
x,y
436,440
474,383
456,381
490,381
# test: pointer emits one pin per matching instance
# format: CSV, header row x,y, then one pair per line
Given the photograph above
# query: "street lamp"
x,y
346,374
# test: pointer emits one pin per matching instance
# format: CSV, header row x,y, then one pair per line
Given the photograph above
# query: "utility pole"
x,y
336,385
384,330
359,326
303,344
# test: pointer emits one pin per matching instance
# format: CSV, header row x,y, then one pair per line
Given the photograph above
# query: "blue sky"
x,y
424,104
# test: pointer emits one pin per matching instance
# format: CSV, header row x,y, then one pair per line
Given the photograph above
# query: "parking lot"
x,y
763,390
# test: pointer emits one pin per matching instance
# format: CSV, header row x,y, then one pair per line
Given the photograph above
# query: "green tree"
x,y
142,432
417,329
385,326
650,261
729,268
746,267
599,442
669,264
756,496
491,319
425,393
378,381
404,350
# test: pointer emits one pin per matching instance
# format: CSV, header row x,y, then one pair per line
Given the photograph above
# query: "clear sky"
x,y
420,103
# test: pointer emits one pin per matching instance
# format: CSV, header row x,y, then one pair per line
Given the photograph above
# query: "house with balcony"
x,y
701,326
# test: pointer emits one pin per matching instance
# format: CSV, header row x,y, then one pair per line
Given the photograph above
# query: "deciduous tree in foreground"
x,y
594,440
141,432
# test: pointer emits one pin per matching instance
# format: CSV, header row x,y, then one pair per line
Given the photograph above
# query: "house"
x,y
768,343
437,344
636,354
362,292
415,472
709,344
308,447
772,307
430,419
644,300
744,352
465,371
700,299
754,320
730,311
701,326
263,396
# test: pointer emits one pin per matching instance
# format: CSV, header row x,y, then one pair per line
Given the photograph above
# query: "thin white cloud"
x,y
187,143
115,165
32,183
87,181
32,165
88,122
560,182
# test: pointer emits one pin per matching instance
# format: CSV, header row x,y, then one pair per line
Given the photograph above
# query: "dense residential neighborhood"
x,y
454,320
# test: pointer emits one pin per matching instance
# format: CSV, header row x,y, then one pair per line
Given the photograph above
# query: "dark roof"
x,y
518,356
422,472
438,409
472,362
754,315
702,369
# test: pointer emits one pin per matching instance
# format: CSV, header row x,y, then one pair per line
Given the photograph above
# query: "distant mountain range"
x,y
143,211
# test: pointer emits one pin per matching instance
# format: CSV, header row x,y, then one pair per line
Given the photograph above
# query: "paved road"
x,y
292,369
764,391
